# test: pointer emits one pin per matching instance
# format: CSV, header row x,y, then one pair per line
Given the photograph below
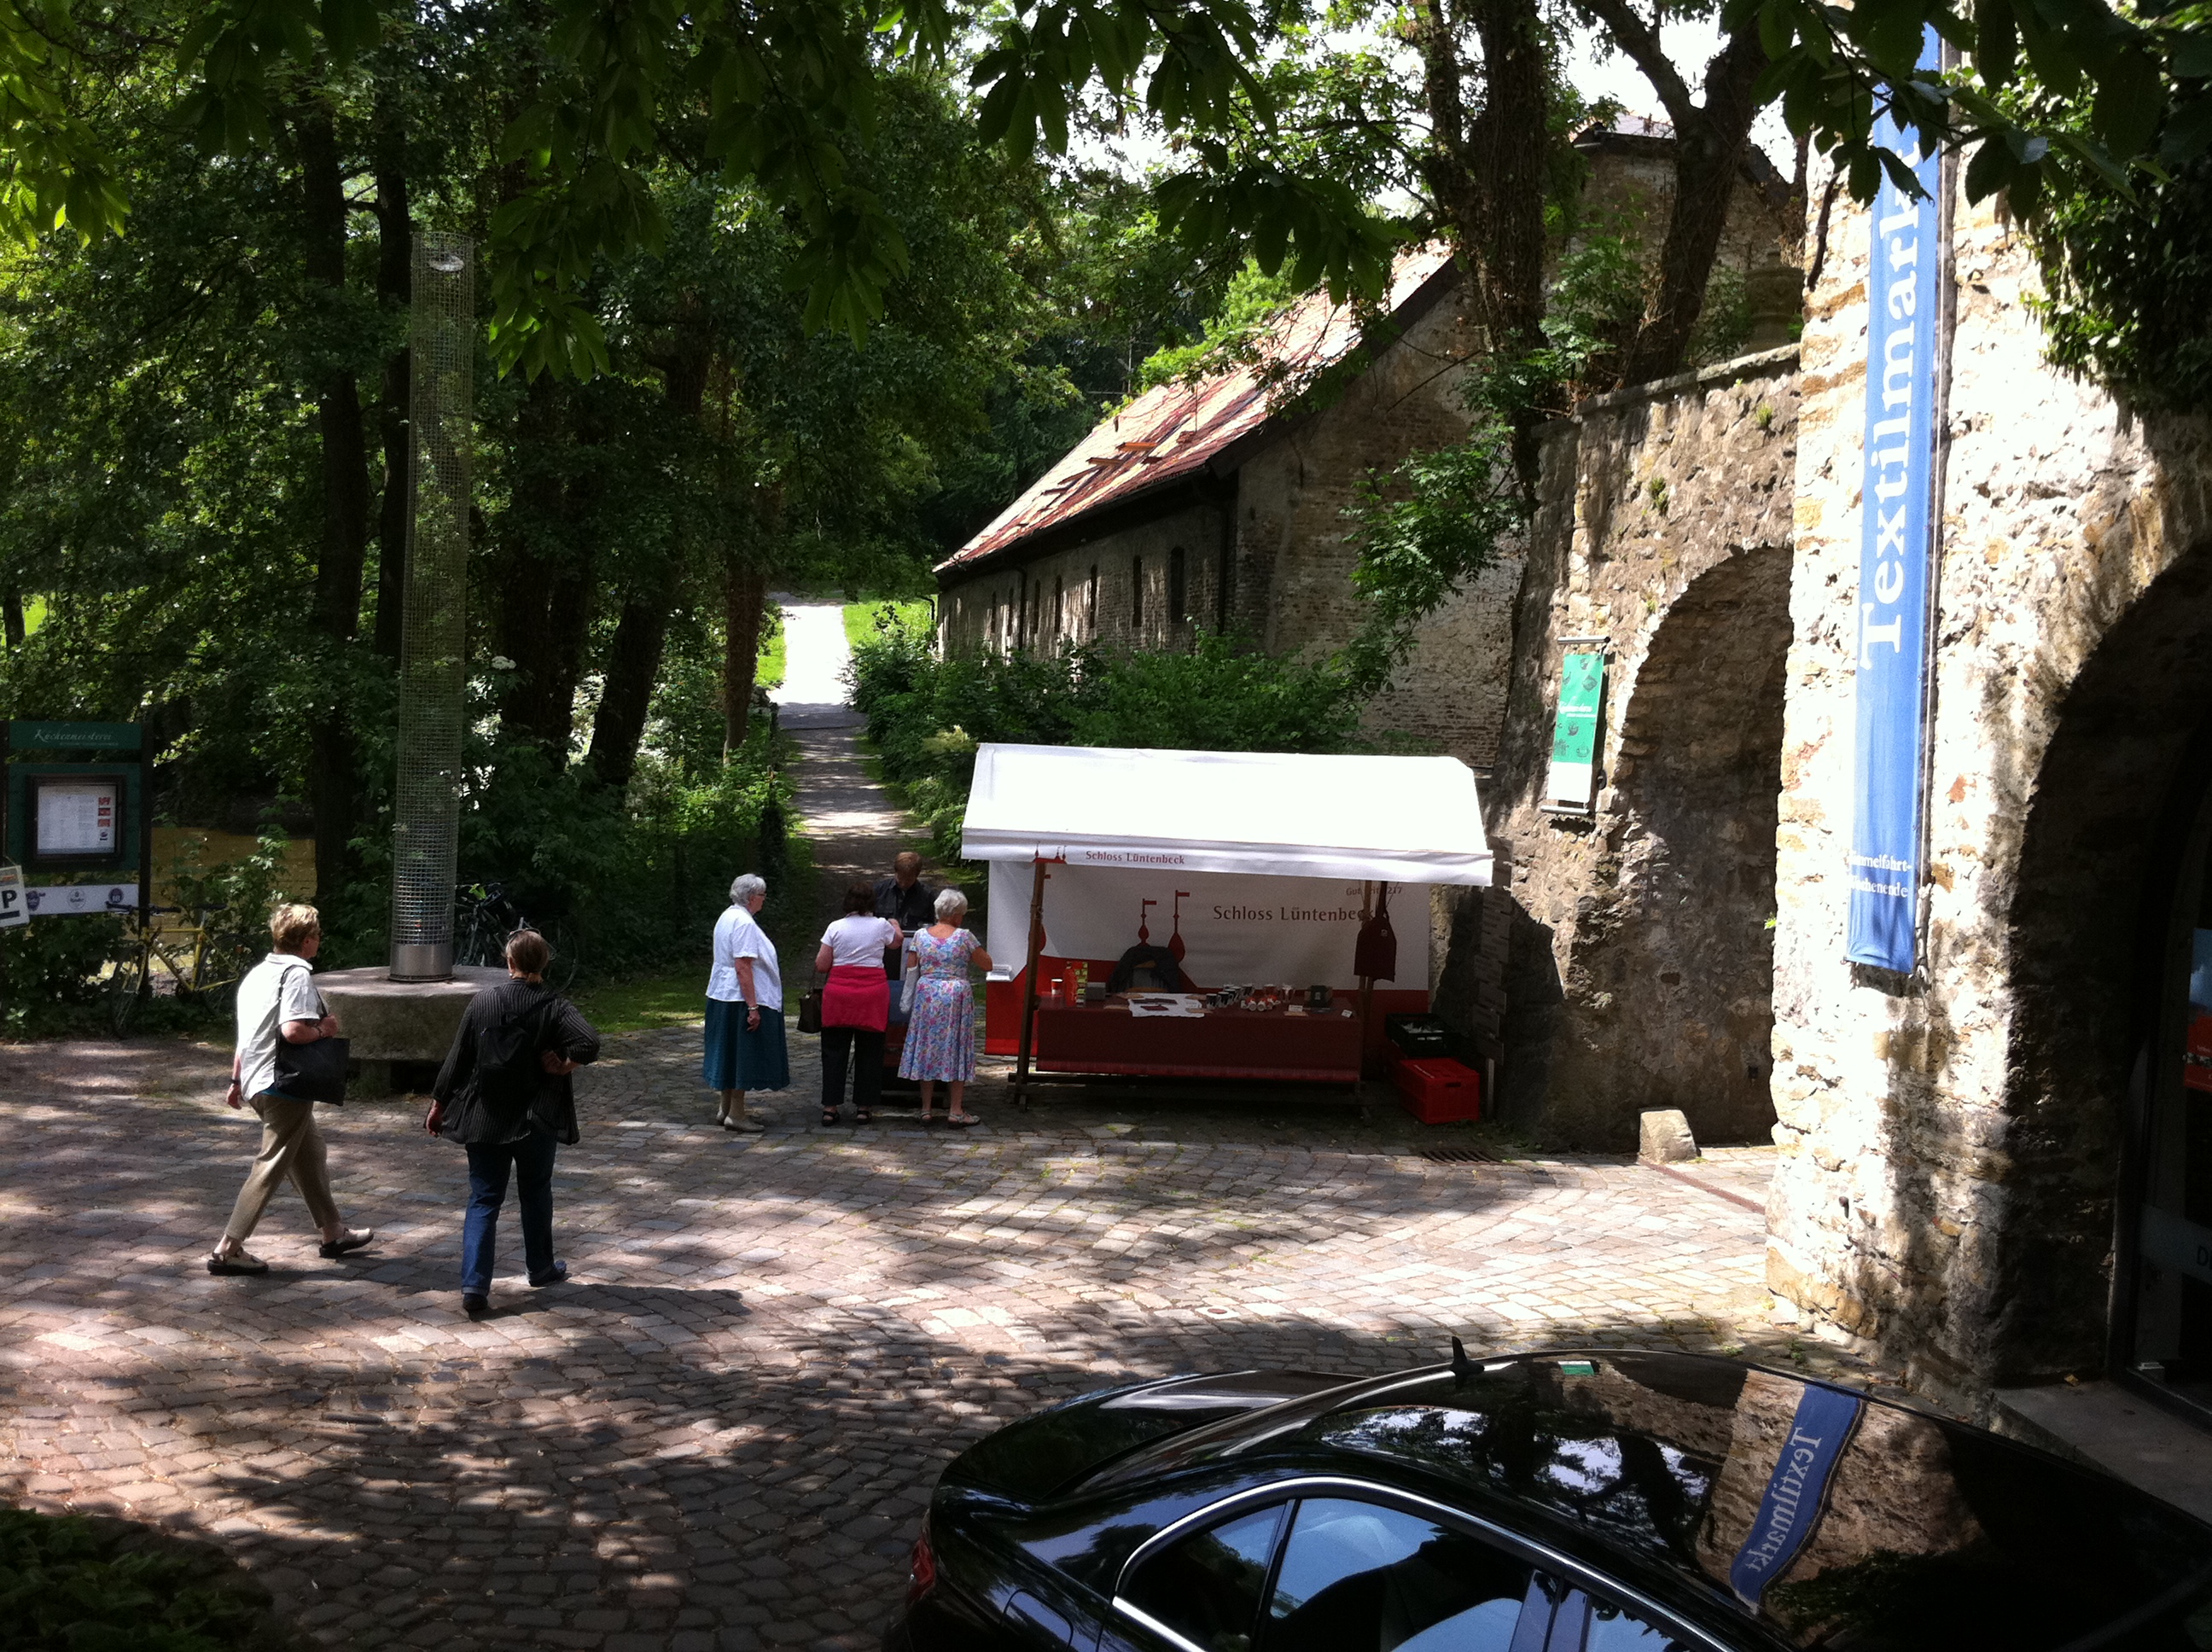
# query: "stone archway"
x,y
1670,973
2114,800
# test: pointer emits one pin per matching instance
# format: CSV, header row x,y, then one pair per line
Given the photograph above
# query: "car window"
x,y
1207,1587
1359,1577
1583,1624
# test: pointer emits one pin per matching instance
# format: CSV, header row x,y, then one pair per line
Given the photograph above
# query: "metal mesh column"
x,y
433,669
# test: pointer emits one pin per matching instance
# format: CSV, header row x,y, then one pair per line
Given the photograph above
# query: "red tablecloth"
x,y
1225,1044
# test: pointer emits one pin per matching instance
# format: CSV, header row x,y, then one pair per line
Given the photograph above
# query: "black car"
x,y
1590,1500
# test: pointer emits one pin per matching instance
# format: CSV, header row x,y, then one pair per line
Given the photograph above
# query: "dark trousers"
x,y
531,1160
864,1046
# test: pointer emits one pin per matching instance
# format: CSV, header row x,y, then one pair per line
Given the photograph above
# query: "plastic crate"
x,y
1417,1035
1440,1091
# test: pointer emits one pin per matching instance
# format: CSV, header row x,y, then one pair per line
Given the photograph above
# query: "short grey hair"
x,y
951,904
747,885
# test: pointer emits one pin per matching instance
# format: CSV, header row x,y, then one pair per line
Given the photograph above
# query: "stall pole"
x,y
1366,982
1030,988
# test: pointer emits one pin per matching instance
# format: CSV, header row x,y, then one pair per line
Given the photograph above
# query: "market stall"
x,y
1245,904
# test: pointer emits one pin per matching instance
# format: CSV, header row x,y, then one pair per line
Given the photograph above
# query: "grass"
x,y
768,674
914,613
34,614
646,1002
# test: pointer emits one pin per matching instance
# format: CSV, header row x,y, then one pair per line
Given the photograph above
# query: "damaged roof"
x,y
1178,432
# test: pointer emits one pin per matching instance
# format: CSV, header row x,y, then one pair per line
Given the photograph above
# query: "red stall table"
x,y
1303,1047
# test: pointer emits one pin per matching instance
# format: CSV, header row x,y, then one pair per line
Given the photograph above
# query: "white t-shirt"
x,y
856,941
737,935
278,989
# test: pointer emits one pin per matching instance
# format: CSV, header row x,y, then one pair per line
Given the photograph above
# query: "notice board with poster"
x,y
1571,783
73,818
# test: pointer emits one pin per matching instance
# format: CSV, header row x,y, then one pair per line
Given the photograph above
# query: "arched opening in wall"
x,y
1671,976
1091,605
2108,1086
1178,586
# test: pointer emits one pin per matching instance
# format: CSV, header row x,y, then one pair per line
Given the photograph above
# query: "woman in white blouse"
x,y
855,1003
745,1008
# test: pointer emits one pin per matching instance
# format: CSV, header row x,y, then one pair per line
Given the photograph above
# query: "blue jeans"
x,y
531,1159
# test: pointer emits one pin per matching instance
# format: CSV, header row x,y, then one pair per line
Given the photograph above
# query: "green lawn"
x,y
861,616
641,1005
769,673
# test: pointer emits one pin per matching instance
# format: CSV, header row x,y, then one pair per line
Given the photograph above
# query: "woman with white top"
x,y
856,1002
745,1008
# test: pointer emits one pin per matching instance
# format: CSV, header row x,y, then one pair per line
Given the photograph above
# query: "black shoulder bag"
x,y
315,1071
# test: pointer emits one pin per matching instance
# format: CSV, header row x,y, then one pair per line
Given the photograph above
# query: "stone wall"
x,y
1637,966
1116,589
1952,1140
1293,586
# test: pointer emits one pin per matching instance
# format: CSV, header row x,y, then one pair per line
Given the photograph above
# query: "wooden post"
x,y
1366,982
1030,988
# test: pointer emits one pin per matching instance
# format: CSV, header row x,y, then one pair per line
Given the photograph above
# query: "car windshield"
x,y
1838,1522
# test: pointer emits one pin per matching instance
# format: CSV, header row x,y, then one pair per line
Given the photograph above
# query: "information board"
x,y
1573,778
77,817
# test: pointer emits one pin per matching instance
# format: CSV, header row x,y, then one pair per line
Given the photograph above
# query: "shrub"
x,y
927,716
66,1582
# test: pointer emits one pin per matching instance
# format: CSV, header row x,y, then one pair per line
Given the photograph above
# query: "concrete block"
x,y
1666,1138
392,1020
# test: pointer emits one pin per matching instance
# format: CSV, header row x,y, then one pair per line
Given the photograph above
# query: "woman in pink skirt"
x,y
940,1031
855,1001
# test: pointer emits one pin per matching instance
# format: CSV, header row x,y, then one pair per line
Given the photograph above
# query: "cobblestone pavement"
x,y
721,1433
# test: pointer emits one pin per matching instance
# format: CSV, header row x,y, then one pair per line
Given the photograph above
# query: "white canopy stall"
x,y
1251,867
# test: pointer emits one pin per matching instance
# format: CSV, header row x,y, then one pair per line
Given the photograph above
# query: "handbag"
x,y
316,1071
313,1072
810,1011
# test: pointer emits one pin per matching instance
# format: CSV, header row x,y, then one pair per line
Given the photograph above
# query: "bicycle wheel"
x,y
126,992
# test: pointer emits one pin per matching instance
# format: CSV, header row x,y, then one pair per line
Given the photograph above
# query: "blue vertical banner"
x,y
1896,553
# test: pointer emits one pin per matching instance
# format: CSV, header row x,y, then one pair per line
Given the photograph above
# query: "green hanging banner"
x,y
1573,780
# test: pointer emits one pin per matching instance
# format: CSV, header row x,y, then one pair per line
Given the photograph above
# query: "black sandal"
x,y
861,1115
828,1116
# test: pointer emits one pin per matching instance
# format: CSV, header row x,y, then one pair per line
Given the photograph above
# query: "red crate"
x,y
1438,1090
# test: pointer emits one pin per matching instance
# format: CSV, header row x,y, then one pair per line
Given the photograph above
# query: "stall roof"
x,y
1413,820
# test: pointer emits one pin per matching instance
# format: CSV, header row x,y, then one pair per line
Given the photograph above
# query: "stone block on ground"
x,y
1665,1136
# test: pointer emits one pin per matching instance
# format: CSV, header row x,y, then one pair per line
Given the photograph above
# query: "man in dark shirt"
x,y
903,897
911,904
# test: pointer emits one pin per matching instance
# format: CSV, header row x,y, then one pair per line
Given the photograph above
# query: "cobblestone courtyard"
x,y
720,1434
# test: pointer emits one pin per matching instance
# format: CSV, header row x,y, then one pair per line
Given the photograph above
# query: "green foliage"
x,y
2124,283
65,1586
864,620
927,716
1233,334
1433,526
49,972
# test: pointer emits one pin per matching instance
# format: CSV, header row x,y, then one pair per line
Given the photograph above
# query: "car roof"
x,y
1894,1528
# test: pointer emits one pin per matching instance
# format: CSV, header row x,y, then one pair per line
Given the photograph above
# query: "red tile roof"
x,y
1174,432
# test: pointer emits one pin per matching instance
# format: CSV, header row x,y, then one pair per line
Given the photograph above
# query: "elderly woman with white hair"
x,y
745,1008
940,1032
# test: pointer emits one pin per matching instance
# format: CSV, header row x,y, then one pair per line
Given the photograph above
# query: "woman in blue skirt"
x,y
745,1008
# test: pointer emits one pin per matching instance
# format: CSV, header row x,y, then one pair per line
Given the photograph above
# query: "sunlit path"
x,y
815,653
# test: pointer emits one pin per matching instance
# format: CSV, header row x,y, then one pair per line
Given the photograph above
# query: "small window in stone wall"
x,y
1059,607
1091,606
1178,588
1137,593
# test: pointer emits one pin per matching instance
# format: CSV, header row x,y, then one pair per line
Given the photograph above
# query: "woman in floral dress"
x,y
940,1032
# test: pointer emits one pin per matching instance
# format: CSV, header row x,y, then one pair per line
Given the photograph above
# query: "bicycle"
x,y
148,950
485,919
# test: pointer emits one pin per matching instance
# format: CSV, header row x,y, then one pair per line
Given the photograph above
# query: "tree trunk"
x,y
633,663
744,598
1508,150
331,780
395,236
542,614
1709,151
11,617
